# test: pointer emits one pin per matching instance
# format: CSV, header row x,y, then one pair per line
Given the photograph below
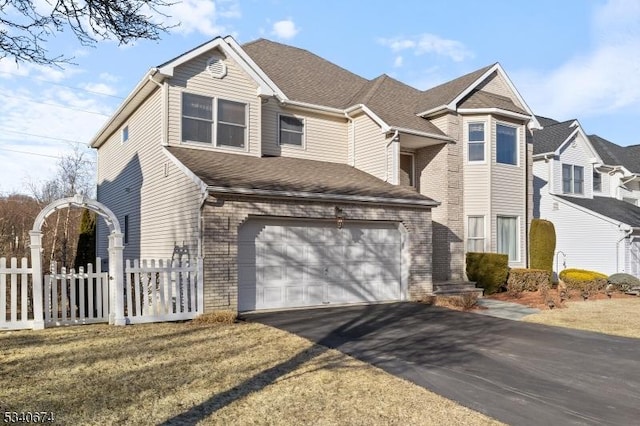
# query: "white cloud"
x,y
605,79
285,29
38,127
201,16
103,88
428,44
398,62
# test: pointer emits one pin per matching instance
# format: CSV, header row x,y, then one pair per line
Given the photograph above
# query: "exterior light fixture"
x,y
339,217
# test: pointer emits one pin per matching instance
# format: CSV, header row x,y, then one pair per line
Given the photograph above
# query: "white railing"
x,y
16,309
163,290
72,297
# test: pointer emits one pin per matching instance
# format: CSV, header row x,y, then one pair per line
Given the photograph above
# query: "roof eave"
x,y
147,85
434,111
321,196
420,133
497,111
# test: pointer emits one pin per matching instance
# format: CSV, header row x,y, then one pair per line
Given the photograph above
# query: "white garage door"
x,y
286,264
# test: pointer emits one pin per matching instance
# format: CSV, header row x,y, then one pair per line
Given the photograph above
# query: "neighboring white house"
x,y
588,187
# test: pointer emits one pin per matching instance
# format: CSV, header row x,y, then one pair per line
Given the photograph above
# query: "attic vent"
x,y
216,67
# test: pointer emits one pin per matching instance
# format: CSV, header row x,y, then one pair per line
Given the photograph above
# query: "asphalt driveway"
x,y
519,373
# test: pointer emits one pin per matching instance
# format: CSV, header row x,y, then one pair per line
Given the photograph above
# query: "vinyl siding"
x,y
192,77
508,190
594,249
498,85
162,210
441,122
579,155
371,149
326,138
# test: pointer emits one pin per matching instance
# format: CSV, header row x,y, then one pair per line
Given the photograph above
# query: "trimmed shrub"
x,y
464,301
623,282
488,270
542,245
521,279
583,280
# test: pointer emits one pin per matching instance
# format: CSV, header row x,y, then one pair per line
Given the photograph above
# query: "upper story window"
x,y
506,144
476,142
407,169
124,134
597,181
572,179
199,125
291,130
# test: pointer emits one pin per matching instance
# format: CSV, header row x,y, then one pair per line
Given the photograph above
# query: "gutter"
x,y
313,107
97,139
306,196
353,139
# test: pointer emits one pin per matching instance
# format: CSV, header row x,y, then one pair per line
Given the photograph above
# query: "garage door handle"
x,y
326,271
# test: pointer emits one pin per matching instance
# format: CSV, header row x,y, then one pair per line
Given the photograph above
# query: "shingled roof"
x,y
482,99
292,175
615,155
610,207
381,95
551,136
447,92
304,76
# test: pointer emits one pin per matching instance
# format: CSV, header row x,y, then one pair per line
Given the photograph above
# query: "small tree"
x,y
86,249
542,245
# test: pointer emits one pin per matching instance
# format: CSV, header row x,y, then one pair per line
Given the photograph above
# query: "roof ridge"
x,y
376,83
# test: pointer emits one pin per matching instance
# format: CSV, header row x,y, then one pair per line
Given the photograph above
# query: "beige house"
x,y
303,184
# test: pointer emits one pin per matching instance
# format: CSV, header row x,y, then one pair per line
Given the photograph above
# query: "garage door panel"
x,y
295,264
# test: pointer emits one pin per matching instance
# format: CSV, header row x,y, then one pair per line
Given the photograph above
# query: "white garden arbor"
x,y
116,265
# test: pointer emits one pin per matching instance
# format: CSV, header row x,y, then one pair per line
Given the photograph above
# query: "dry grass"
x,y
206,374
216,317
620,317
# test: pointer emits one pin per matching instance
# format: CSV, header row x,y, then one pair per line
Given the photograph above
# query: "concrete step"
x,y
452,288
478,291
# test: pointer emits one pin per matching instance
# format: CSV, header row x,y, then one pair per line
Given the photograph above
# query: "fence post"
x,y
116,280
200,285
36,268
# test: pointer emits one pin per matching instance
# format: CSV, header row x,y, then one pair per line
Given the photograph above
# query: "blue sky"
x,y
569,59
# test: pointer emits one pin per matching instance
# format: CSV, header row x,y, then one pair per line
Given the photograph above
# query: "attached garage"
x,y
288,263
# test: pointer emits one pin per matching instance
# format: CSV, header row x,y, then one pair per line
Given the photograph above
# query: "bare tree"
x,y
74,174
27,25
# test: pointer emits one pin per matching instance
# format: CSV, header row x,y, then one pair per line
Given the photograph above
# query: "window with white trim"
x,y
226,128
407,169
475,233
291,130
476,142
506,144
124,134
572,179
507,230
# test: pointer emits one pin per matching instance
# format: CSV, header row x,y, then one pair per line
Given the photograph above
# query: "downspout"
x,y
203,200
386,155
627,230
165,106
353,138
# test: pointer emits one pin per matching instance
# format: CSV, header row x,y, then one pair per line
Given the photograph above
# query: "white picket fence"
x,y
162,291
72,297
154,292
16,309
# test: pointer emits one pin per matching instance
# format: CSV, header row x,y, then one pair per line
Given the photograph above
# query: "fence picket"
x,y
152,286
72,295
54,291
24,291
14,291
192,290
136,288
128,290
82,283
161,288
63,293
102,281
3,290
167,280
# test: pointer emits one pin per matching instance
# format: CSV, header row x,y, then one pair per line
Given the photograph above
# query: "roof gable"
x,y
615,155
